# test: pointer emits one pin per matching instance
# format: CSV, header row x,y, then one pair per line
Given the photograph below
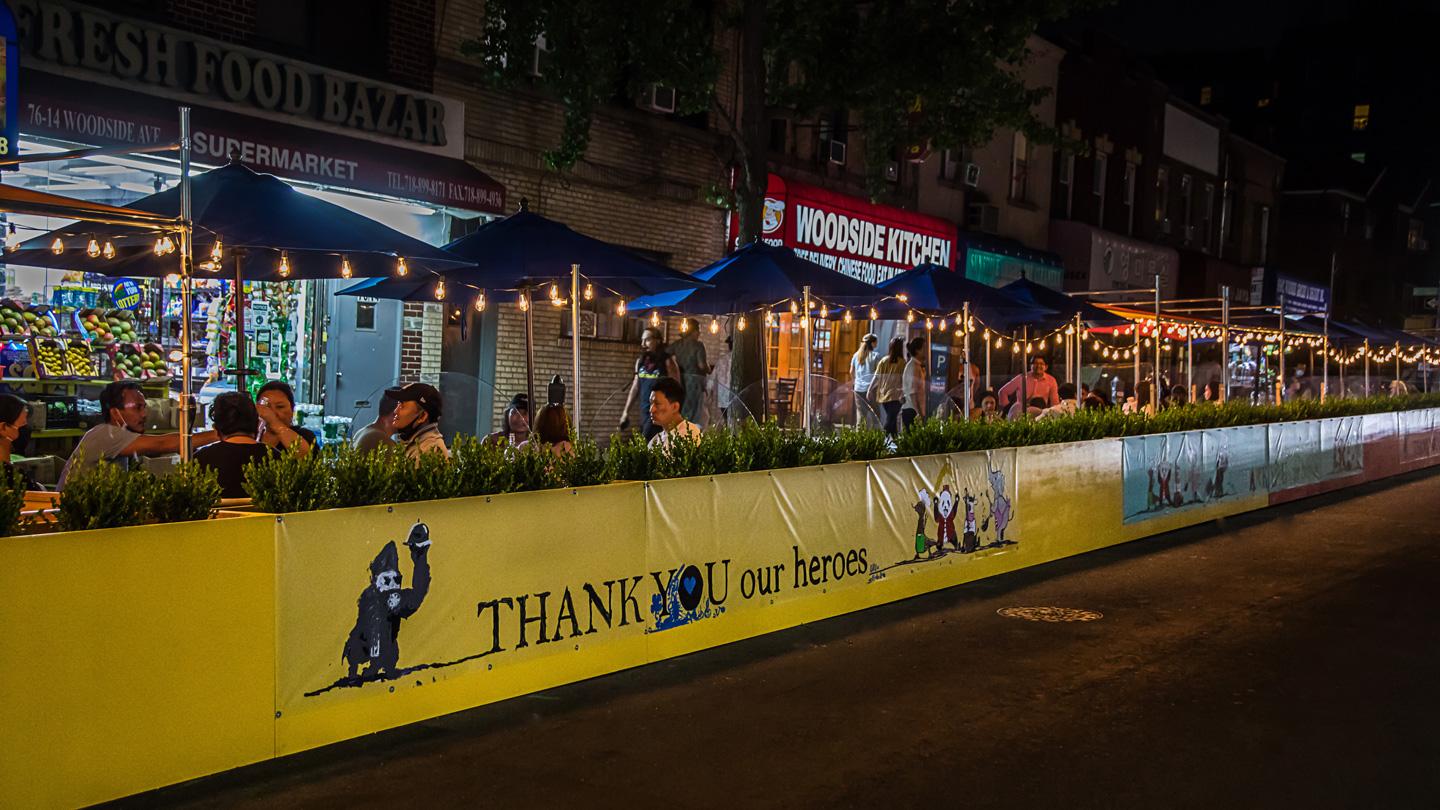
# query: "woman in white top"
x,y
862,371
912,383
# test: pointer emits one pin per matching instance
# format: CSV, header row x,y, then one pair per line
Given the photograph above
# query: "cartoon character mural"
x,y
922,509
971,539
945,519
373,648
999,504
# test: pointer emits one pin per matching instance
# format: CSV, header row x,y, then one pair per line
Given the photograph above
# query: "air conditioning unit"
x,y
892,172
982,217
972,175
949,165
659,98
837,152
540,50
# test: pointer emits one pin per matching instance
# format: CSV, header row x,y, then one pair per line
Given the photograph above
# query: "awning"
x,y
14,200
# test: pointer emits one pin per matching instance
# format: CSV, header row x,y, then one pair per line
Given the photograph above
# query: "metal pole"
x,y
1024,369
1079,345
1280,363
1190,361
575,343
968,397
1397,361
1224,342
807,335
1325,341
186,264
1155,388
1343,392
1135,383
1367,367
530,358
238,293
987,364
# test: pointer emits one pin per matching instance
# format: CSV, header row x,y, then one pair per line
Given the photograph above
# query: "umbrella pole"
x,y
808,336
575,342
1079,346
530,357
987,364
242,370
1190,362
1367,367
965,324
1224,343
1024,369
186,255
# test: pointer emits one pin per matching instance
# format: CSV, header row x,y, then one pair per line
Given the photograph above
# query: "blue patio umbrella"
x,y
1065,307
525,251
934,289
267,231
760,275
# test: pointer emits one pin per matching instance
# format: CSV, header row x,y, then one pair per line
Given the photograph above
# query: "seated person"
x,y
416,420
666,398
552,427
988,409
1066,405
237,422
121,436
515,429
377,434
275,402
14,416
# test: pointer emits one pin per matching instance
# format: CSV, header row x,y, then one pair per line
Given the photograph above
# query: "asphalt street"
x,y
1284,659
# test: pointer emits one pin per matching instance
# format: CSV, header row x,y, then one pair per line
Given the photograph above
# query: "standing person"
x,y
719,382
1037,383
237,422
667,397
515,428
275,402
885,388
913,384
377,434
121,437
417,419
689,354
862,371
653,365
14,417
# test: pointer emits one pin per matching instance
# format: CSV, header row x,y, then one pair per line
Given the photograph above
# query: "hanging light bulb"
x,y
740,323
169,245
714,326
874,316
986,334
92,249
1105,354
346,271
557,302
108,251
910,317
943,321
929,324
847,317
1042,344
620,307
1127,354
524,302
654,317
903,298
1028,348
440,290
159,247
812,306
824,313
401,268
480,302
769,318
217,251
1014,348
794,308
554,292
1097,345
589,292
999,342
284,269
684,325
1070,330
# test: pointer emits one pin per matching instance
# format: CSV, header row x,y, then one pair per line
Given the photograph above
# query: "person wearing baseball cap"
x,y
416,419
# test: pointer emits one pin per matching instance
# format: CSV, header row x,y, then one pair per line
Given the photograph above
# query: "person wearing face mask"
x,y
121,437
275,402
654,363
417,419
14,417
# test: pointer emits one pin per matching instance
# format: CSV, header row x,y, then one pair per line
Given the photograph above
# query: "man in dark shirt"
x,y
237,422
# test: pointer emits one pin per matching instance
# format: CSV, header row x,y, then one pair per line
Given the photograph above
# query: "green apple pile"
x,y
110,326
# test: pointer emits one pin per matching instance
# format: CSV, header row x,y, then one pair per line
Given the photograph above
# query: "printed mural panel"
x,y
1296,459
1417,433
1342,446
1168,472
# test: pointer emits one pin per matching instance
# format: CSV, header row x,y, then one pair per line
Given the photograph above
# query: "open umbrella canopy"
x,y
933,289
1063,305
259,221
528,250
762,275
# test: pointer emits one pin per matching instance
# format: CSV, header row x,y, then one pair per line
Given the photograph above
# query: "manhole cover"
x,y
1050,614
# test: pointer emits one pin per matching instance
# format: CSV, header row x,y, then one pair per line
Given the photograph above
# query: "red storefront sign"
x,y
65,108
863,240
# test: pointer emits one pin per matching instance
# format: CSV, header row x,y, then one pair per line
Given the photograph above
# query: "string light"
x,y
346,271
942,324
554,292
159,247
284,269
1042,344
1015,348
620,307
480,302
794,308
910,317
847,317
903,298
589,292
108,251
402,269
557,302
824,313
217,251
874,316
57,247
654,317
740,323
1097,345
769,318
524,302
714,326
684,325
440,290
92,249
